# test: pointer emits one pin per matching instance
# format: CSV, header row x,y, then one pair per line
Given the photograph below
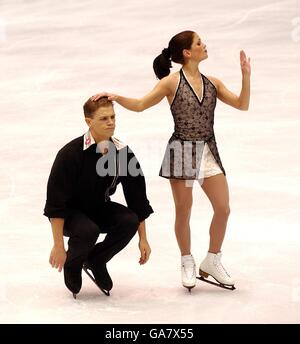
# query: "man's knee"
x,y
86,232
90,231
80,225
130,221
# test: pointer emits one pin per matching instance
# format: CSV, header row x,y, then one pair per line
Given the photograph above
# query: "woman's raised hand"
x,y
110,96
245,63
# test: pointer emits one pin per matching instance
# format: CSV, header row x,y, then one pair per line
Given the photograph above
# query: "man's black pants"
x,y
120,224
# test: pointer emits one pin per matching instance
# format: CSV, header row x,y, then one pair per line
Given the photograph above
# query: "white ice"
x,y
54,55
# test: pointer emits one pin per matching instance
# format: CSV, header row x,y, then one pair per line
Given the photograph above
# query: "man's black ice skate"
x,y
73,279
100,276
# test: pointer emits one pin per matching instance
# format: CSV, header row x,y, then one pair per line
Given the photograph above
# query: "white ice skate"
x,y
212,266
188,272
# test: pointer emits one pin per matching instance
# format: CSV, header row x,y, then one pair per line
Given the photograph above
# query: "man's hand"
x,y
110,96
58,258
145,251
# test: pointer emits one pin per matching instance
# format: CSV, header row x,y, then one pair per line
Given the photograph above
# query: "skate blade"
x,y
85,269
189,288
204,275
75,296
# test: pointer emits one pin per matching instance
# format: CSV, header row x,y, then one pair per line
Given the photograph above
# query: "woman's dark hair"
x,y
177,44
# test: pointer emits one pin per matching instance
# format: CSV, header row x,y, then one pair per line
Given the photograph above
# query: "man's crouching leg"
x,y
83,233
121,225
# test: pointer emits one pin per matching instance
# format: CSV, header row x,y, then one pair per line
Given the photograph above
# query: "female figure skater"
x,y
192,152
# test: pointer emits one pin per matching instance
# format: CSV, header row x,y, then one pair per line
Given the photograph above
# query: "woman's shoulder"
x,y
174,75
213,80
171,79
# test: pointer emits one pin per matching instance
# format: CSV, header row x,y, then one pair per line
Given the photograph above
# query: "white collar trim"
x,y
88,140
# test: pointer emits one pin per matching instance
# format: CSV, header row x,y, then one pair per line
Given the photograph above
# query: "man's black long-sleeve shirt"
x,y
75,184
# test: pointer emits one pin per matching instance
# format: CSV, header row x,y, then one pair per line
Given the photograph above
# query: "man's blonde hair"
x,y
90,106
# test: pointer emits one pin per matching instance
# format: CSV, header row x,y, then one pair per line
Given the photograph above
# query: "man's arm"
x,y
57,225
135,194
59,191
61,184
58,254
143,244
134,187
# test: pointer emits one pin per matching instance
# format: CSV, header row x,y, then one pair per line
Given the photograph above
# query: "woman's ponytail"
x,y
174,52
162,64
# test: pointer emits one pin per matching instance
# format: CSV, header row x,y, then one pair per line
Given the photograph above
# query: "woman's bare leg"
x,y
183,199
216,189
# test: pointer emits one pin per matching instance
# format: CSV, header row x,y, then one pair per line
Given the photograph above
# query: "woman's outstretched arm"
x,y
240,102
160,91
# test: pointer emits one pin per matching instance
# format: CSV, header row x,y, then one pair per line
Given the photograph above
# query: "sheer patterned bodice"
x,y
193,124
194,117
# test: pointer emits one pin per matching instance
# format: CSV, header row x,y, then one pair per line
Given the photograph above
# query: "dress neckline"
x,y
192,88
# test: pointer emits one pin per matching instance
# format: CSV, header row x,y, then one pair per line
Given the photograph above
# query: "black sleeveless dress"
x,y
194,126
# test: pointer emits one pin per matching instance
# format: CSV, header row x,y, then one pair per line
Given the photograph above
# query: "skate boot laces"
x,y
189,267
220,268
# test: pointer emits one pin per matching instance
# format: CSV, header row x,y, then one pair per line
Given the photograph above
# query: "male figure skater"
x,y
85,173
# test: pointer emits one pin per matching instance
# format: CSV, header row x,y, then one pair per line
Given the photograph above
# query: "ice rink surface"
x,y
54,55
